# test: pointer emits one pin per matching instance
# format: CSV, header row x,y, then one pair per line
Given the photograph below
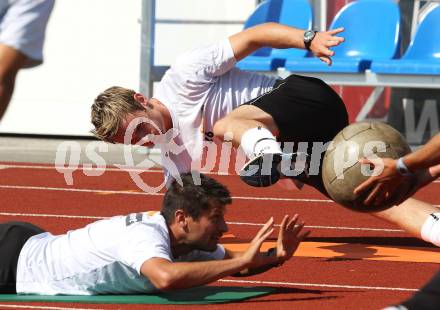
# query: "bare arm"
x,y
281,36
11,61
262,263
166,275
388,181
425,157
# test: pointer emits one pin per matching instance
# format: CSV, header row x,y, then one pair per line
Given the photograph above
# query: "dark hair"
x,y
193,198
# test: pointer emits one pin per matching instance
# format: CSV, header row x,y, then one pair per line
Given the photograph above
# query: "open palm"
x,y
289,237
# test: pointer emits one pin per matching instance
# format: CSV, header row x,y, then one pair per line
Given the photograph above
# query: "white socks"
x,y
258,141
431,229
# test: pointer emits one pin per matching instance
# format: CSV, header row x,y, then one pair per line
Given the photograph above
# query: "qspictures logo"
x,y
69,152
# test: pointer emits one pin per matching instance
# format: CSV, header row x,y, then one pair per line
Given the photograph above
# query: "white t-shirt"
x,y
202,87
104,257
23,26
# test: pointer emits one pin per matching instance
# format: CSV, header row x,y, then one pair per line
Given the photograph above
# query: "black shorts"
x,y
13,236
305,109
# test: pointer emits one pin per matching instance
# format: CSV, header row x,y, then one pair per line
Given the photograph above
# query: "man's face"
x,y
205,232
139,125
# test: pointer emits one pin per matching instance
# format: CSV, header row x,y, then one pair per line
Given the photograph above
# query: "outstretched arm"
x,y
281,36
425,157
387,182
166,275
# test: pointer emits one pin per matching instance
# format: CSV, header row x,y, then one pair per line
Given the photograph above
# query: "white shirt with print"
x,y
202,87
104,257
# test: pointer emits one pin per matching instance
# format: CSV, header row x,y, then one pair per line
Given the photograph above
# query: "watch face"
x,y
308,35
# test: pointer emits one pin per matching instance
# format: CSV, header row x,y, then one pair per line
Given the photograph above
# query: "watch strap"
x,y
402,168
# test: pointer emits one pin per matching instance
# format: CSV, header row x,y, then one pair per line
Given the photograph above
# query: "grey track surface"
x,y
44,150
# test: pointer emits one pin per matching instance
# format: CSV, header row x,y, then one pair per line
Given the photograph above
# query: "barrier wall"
x,y
91,45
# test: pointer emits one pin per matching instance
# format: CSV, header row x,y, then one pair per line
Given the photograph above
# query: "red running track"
x,y
39,194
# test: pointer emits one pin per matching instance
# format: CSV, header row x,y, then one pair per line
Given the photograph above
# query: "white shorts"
x,y
23,26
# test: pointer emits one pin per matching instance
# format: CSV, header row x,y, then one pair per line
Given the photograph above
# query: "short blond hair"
x,y
110,108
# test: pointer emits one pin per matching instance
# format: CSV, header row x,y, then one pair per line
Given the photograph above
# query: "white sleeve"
x,y
142,242
204,64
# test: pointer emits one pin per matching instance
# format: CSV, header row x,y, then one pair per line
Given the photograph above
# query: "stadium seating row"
x,y
372,31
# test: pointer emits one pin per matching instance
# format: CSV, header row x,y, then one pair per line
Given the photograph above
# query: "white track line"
x,y
357,287
323,227
2,166
10,306
82,168
55,215
18,166
229,223
85,190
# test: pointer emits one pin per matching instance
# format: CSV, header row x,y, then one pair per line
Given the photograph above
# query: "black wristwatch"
x,y
309,35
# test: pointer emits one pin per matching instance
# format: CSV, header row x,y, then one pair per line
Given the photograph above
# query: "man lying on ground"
x,y
140,253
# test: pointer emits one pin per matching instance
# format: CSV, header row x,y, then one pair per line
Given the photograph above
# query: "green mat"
x,y
197,295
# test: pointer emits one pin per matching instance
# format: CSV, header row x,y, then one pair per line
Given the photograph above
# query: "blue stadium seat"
x,y
423,53
371,32
259,16
296,13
